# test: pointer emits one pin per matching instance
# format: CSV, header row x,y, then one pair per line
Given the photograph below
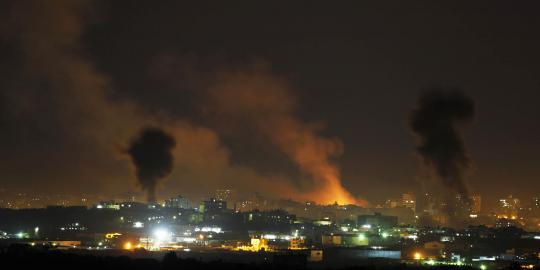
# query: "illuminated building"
x,y
177,202
508,207
227,195
297,243
506,223
213,206
108,205
259,244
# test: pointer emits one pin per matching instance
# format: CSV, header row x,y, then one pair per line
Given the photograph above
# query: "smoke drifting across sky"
x,y
75,128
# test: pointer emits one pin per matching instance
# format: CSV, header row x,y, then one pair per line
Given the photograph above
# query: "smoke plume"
x,y
258,98
153,159
436,122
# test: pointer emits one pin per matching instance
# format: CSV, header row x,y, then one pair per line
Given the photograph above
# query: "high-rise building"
x,y
213,206
177,202
227,195
508,207
223,194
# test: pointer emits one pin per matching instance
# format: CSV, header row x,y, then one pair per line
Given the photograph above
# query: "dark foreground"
x,y
27,257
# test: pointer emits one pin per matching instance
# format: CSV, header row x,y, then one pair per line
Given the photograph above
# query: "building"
x,y
345,240
275,220
508,207
408,201
213,206
297,243
476,204
177,202
377,220
392,203
229,196
213,211
224,194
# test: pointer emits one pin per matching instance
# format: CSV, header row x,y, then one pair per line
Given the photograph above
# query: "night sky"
x,y
245,88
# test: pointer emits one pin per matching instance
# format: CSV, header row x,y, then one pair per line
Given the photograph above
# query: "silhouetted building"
x,y
177,202
213,206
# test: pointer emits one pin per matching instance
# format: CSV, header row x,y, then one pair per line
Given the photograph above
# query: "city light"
x,y
270,236
161,234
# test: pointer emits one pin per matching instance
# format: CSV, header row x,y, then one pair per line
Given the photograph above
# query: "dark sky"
x,y
357,67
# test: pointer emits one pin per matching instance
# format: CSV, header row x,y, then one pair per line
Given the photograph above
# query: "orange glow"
x,y
127,245
266,102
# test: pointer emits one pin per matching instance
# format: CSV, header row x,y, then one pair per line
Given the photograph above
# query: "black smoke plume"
x,y
153,159
436,121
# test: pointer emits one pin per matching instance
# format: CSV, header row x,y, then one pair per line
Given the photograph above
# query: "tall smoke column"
x,y
436,122
265,102
153,159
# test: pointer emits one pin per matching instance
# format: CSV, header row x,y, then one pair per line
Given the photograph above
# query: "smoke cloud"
x,y
436,122
76,129
76,133
260,99
151,154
